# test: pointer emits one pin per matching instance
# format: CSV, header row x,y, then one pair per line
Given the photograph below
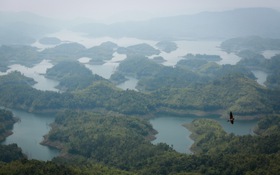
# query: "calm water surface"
x,y
36,72
29,132
261,76
270,53
171,131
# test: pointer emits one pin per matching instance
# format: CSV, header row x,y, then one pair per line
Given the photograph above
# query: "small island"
x,y
253,43
139,49
203,57
72,75
118,78
159,59
18,54
167,46
99,54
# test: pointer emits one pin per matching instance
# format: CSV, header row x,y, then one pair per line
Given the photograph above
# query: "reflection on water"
x,y
172,132
28,132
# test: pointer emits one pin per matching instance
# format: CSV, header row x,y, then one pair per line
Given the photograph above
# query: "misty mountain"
x,y
24,27
263,22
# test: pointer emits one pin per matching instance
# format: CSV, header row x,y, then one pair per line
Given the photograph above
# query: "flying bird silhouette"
x,y
231,118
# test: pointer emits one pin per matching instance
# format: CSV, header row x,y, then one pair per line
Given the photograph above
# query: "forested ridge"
x,y
6,123
122,142
233,92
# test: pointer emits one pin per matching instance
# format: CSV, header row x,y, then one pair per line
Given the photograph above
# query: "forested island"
x,y
167,46
203,57
253,43
139,49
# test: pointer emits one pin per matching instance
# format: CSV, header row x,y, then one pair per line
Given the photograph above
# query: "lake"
x,y
28,132
172,132
261,76
270,53
36,72
110,66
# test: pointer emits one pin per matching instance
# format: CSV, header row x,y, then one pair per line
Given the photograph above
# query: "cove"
x,y
28,132
172,132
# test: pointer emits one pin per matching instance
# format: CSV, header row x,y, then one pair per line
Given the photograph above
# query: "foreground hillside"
x,y
116,144
106,131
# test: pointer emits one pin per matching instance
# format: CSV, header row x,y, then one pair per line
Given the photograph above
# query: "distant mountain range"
x,y
207,25
24,27
262,22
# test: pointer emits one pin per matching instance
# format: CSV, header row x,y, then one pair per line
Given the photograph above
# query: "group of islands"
x,y
102,129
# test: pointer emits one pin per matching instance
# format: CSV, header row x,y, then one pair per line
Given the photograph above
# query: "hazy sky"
x,y
117,10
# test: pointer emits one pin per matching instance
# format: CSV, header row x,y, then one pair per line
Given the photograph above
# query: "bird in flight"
x,y
231,118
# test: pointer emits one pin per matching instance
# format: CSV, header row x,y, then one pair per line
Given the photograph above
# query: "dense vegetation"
x,y
26,167
102,129
101,53
72,75
114,140
252,43
118,78
9,153
251,59
167,46
187,72
250,50
138,66
236,93
122,142
203,57
139,49
232,92
17,93
63,52
272,66
240,154
21,54
169,77
6,123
